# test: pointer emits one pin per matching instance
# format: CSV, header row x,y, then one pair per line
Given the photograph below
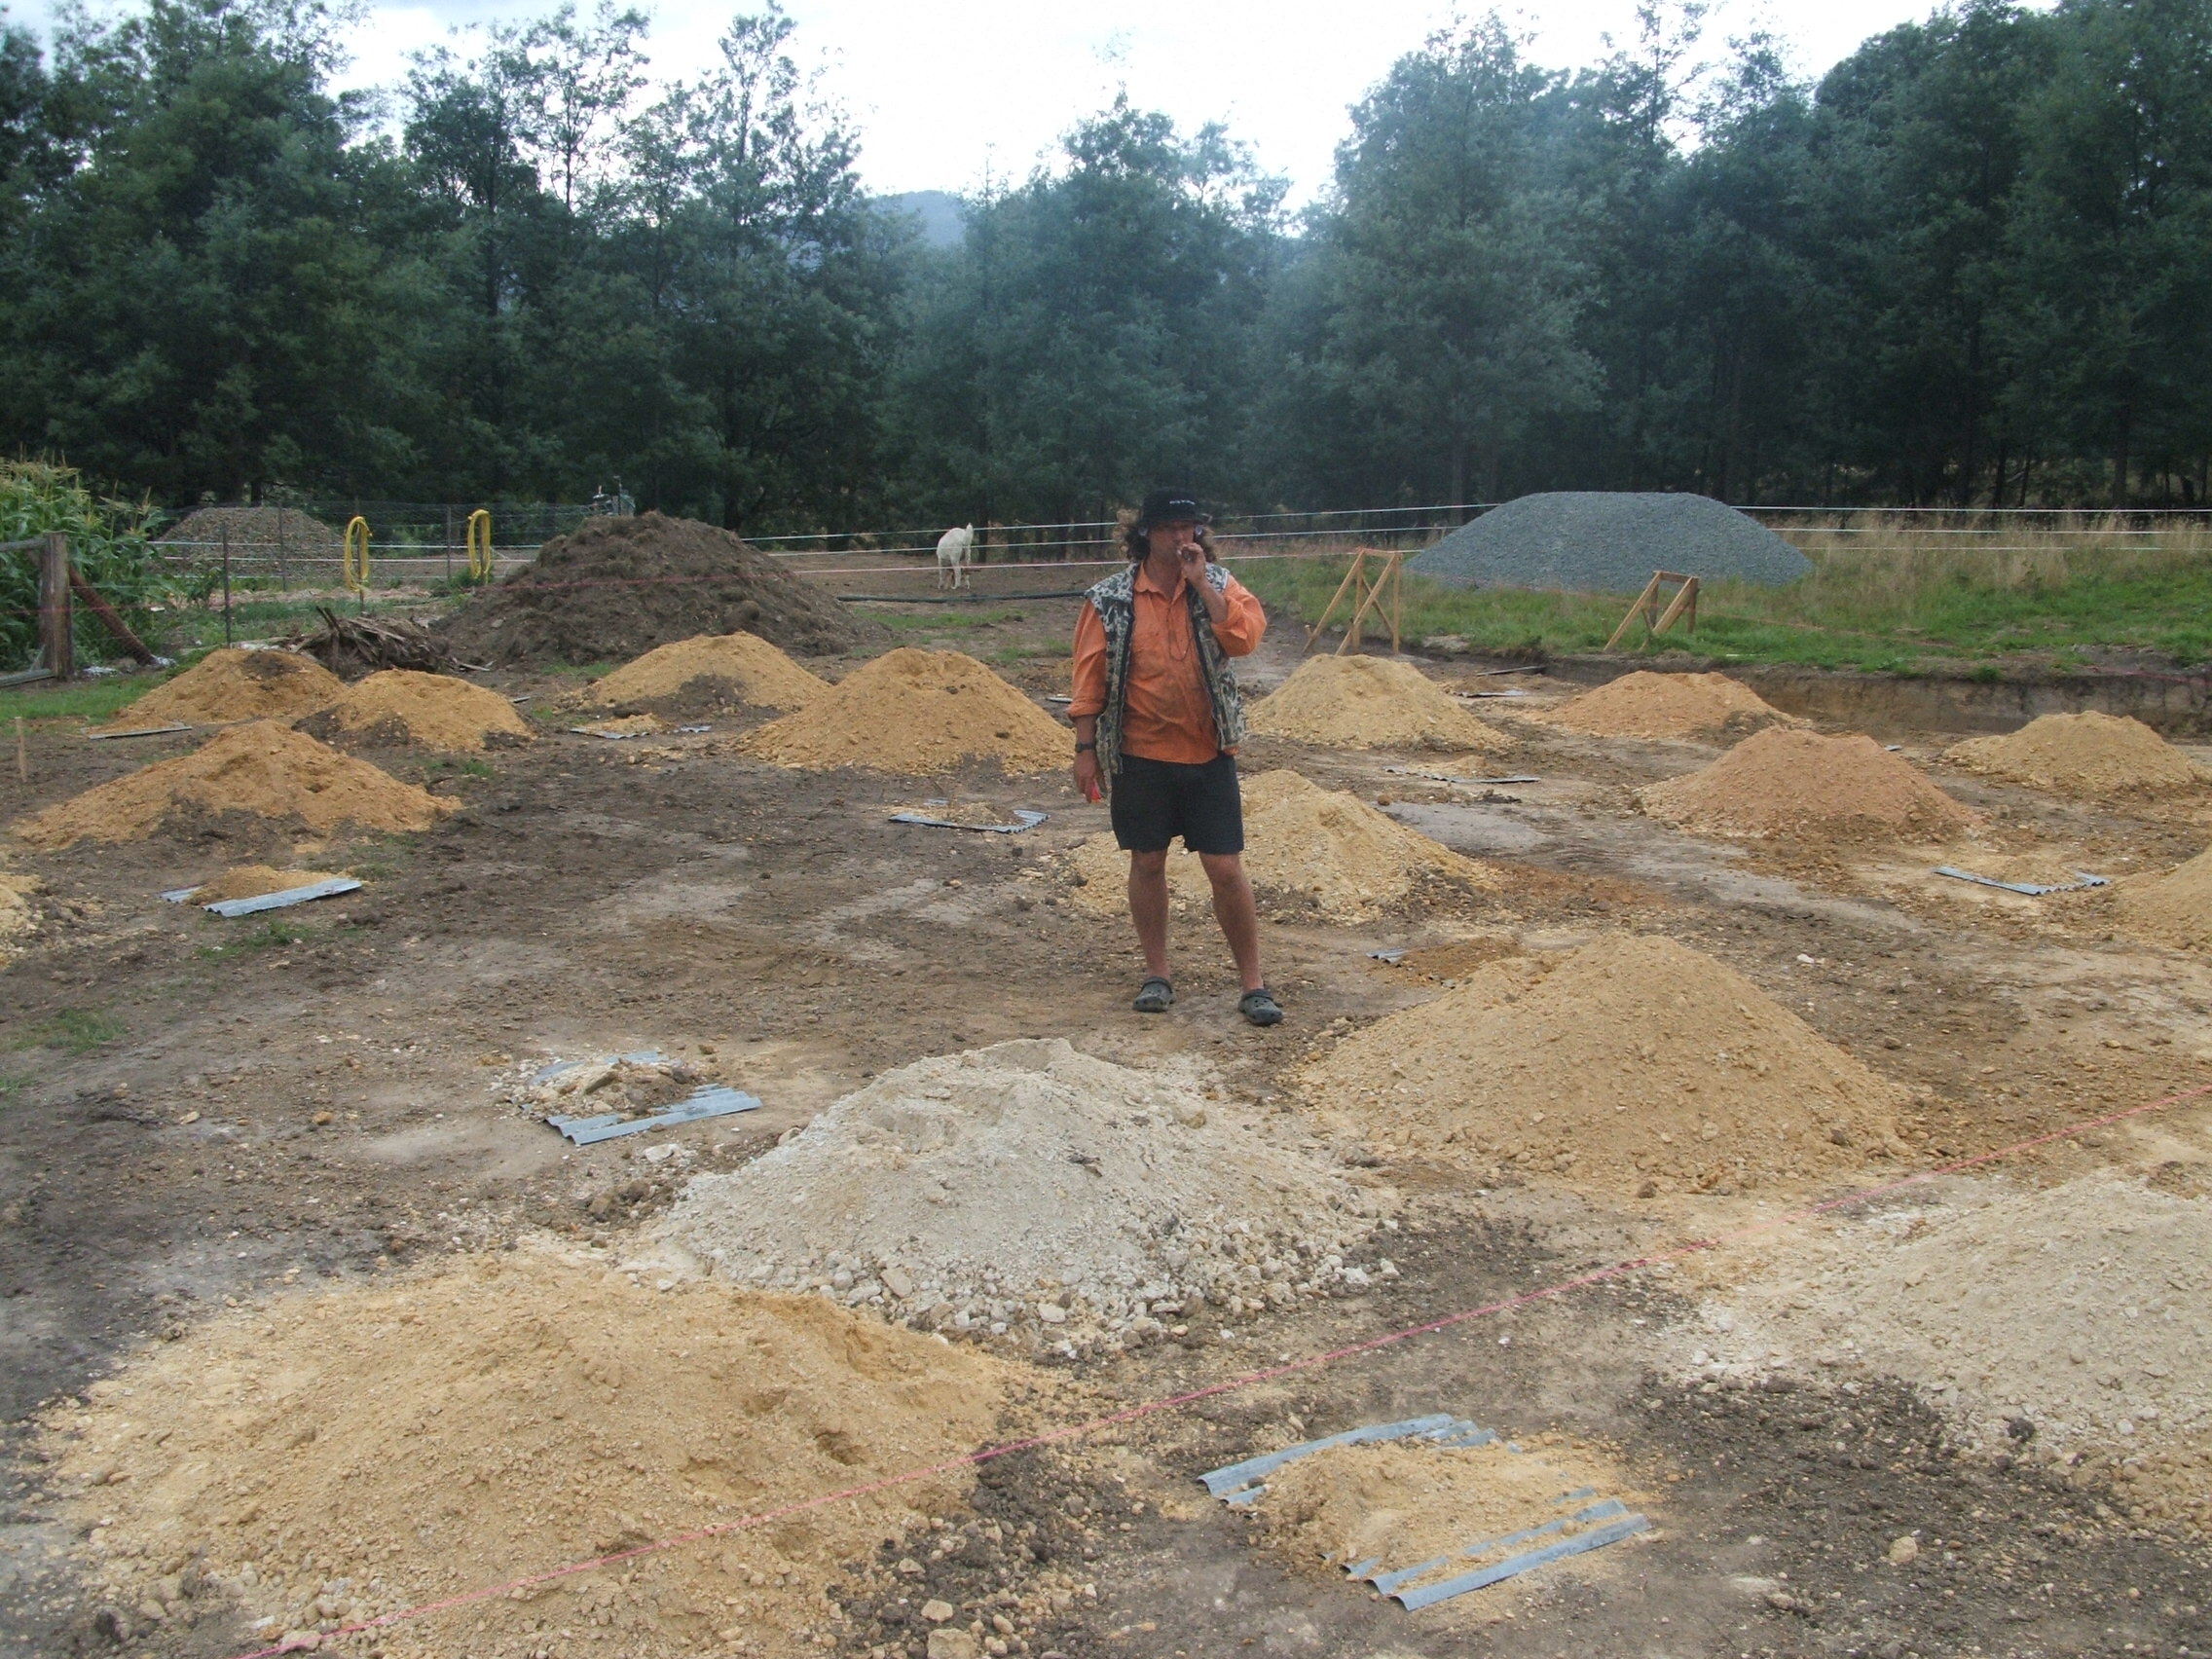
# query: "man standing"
x,y
1158,719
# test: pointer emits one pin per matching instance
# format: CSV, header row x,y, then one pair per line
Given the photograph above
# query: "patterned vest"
x,y
1115,601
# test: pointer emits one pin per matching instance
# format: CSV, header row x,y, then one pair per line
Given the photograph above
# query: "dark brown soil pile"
x,y
618,587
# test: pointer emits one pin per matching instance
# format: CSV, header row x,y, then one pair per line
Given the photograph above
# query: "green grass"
x,y
272,934
381,858
94,700
468,768
1892,601
10,1086
949,622
76,1030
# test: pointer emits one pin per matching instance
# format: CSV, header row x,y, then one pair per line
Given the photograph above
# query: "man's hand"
x,y
1086,775
1193,558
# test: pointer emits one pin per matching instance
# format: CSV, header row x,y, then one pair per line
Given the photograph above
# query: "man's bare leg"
x,y
1148,908
1235,909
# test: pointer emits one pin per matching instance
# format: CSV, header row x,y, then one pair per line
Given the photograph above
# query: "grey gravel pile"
x,y
1605,541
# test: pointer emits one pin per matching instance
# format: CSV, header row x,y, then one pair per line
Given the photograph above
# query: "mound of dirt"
x,y
2084,1307
619,586
2173,909
1028,1184
18,913
1404,1502
236,685
251,881
2081,755
262,768
1634,1065
259,530
1304,846
432,711
341,1455
913,713
1644,704
1365,702
1801,785
736,668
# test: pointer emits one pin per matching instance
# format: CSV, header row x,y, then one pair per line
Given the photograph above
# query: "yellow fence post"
x,y
356,558
480,544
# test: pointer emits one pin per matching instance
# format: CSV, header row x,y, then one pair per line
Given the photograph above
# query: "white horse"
x,y
955,552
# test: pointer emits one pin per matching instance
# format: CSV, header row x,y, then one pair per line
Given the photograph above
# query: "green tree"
x,y
2112,249
1448,259
199,312
1091,336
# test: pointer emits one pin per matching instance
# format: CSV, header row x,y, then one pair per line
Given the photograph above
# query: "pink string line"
x,y
1245,1380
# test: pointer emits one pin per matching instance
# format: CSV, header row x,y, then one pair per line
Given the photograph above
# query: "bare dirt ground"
x,y
196,1114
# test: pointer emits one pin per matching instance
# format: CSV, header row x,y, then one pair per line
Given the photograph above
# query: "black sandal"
x,y
1260,1007
1155,995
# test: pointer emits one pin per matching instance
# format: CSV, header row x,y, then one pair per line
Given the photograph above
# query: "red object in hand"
x,y
1092,791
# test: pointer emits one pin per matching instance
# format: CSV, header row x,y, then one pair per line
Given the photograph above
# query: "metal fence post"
x,y
226,584
284,580
56,621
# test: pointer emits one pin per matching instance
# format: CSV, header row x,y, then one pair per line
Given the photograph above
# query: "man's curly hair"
x,y
1137,543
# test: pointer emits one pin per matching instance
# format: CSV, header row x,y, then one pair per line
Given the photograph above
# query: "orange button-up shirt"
x,y
1166,713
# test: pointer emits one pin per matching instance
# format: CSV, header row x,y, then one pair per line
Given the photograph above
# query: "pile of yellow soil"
x,y
1644,704
369,1450
1635,1065
251,881
236,685
1456,958
435,711
1801,785
261,767
1401,1503
913,713
2173,909
1304,845
2081,755
1364,702
738,667
19,916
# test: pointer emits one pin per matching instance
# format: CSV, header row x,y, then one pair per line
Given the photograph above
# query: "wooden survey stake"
x,y
1683,604
1366,594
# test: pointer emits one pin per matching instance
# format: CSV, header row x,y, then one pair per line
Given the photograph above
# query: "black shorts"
x,y
1154,801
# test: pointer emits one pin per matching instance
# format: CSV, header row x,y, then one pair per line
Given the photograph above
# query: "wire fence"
x,y
423,545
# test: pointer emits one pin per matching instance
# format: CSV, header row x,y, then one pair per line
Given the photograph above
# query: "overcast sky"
x,y
944,90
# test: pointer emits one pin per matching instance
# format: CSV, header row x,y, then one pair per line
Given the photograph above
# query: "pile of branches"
x,y
354,646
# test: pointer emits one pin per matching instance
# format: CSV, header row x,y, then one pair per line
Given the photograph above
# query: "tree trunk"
x,y
2119,458
1460,473
1970,460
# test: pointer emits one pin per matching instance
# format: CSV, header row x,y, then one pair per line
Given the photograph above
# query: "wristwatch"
x,y
1081,747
